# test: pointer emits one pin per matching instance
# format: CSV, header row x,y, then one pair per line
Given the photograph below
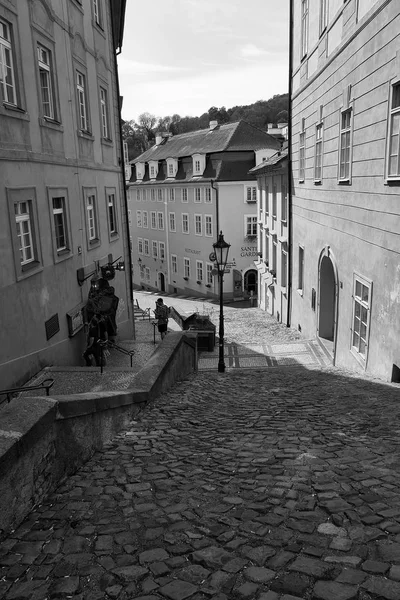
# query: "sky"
x,y
184,56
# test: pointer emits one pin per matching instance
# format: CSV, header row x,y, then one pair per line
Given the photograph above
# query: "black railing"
x,y
11,392
129,353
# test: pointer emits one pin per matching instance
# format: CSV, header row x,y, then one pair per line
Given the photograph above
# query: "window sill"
x,y
362,361
62,255
25,271
85,134
344,181
394,181
317,182
51,124
98,27
12,110
93,243
301,181
113,237
107,142
300,292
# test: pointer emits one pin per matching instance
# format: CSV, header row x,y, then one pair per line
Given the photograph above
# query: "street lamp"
x,y
221,249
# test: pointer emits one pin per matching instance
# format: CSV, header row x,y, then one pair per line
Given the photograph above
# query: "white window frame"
x,y
112,212
47,98
284,199
152,195
83,112
209,275
250,194
185,219
139,218
186,267
160,195
250,225
345,146
23,221
91,217
145,216
105,118
172,222
318,158
8,89
152,171
302,152
358,321
154,249
97,13
140,245
60,219
171,195
146,247
304,28
160,220
300,280
197,195
185,195
174,263
161,250
284,267
198,224
147,273
153,219
171,170
138,196
207,196
208,226
323,15
394,116
199,271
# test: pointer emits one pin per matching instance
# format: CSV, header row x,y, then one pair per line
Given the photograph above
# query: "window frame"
x,y
187,222
145,219
197,195
49,69
209,275
97,13
199,271
206,223
172,222
17,196
140,245
392,112
302,152
318,151
198,224
161,250
10,45
146,247
365,282
185,196
171,194
95,240
153,219
304,28
284,199
253,222
105,126
250,194
160,220
207,195
345,131
82,91
160,195
139,218
186,267
174,263
300,271
60,254
323,16
154,248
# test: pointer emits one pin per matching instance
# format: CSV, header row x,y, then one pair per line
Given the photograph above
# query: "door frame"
x,y
327,253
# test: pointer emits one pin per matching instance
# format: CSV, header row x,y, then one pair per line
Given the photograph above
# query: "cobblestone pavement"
x,y
277,484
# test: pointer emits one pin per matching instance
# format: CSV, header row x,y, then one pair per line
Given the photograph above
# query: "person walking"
x,y
161,313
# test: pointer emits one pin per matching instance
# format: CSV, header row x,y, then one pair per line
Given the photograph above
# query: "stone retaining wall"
x,y
43,440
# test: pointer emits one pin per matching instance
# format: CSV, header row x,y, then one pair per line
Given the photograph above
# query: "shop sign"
x,y
248,251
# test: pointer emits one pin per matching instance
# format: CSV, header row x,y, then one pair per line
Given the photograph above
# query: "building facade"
x,y
273,251
346,180
182,192
63,204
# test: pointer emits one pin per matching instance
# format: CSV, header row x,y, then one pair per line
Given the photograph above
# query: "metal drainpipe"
x,y
121,149
290,216
216,206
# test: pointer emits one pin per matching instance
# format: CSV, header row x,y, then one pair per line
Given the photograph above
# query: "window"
x,y
171,169
186,267
144,193
322,15
300,283
283,268
197,194
208,195
184,195
345,145
198,224
394,133
171,194
24,231
82,102
147,273
60,223
129,217
153,195
138,195
197,168
160,216
91,217
283,199
274,203
153,216
152,172
154,246
208,225
251,194
209,275
159,195
251,225
274,253
97,13
46,82
7,73
105,134
172,222
174,263
145,219
304,27
199,270
140,245
112,213
319,130
139,218
162,250
361,316
267,199
302,152
185,223
146,247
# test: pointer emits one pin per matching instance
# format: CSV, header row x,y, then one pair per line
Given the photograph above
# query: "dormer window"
x,y
153,169
172,167
139,171
199,164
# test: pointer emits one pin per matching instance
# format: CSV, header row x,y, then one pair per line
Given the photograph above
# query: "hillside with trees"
x,y
140,134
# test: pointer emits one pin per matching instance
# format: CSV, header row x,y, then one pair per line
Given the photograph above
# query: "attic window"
x,y
197,166
170,169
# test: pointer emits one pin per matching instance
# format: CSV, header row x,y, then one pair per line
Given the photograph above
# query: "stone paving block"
x,y
178,590
259,574
331,590
383,588
310,566
389,552
351,576
154,555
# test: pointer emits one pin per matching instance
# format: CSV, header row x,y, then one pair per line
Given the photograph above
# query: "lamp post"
x,y
221,249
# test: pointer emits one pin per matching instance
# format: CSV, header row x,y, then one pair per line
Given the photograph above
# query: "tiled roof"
x,y
229,137
236,171
272,161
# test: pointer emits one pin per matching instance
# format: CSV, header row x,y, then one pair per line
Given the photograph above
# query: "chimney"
x,y
213,124
158,138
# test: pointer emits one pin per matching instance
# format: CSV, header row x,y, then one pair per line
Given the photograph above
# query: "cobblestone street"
x,y
273,484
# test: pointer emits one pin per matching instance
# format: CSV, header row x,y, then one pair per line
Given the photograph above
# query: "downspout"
x,y
216,207
121,149
290,215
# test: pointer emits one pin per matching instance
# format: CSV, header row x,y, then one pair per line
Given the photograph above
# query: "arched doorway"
x,y
327,300
250,281
161,280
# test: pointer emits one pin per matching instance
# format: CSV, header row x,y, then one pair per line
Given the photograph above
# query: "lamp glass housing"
x,y
221,249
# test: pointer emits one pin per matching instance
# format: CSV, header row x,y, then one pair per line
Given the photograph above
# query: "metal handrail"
x,y
129,353
9,393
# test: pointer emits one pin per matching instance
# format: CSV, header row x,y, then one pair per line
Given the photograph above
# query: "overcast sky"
x,y
184,56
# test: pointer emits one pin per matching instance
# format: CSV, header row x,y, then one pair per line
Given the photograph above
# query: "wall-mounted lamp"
x,y
108,270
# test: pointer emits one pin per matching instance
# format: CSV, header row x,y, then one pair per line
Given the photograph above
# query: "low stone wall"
x,y
43,440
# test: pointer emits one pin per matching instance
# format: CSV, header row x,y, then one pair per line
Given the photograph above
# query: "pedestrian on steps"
x,y
161,313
